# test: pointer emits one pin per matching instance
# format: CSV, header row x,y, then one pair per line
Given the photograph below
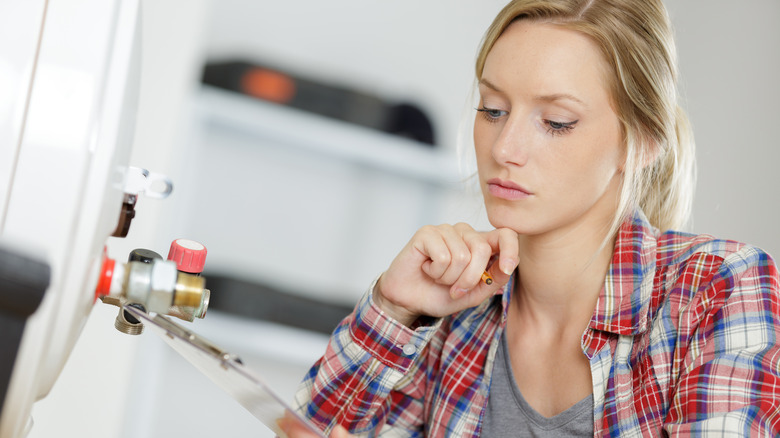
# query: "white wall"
x,y
730,62
420,50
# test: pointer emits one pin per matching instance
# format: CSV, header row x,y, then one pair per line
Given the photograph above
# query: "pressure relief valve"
x,y
153,284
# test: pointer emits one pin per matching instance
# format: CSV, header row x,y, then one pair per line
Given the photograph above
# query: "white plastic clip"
x,y
141,181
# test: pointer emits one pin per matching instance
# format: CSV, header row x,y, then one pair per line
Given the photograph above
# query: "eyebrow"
x,y
542,98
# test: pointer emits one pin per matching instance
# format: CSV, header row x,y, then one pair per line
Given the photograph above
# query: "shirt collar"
x,y
623,305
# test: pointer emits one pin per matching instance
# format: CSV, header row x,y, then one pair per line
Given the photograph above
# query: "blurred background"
x,y
302,205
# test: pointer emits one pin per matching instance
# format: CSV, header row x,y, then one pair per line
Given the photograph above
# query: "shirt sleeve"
x,y
730,379
372,377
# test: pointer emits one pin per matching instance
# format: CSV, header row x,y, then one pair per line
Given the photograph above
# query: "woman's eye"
x,y
559,128
490,114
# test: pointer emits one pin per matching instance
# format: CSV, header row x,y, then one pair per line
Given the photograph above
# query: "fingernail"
x,y
459,292
507,266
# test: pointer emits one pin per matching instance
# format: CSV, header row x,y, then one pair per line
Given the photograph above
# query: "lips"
x,y
507,190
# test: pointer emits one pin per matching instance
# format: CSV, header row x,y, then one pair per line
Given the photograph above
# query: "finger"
x,y
460,255
292,427
477,295
471,275
340,432
509,249
504,247
504,243
430,243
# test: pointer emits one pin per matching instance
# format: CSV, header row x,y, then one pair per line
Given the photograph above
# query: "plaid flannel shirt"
x,y
683,340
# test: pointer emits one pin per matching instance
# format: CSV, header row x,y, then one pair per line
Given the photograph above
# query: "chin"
x,y
517,222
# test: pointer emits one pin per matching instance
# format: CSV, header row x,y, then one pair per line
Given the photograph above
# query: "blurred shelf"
x,y
329,137
253,338
261,301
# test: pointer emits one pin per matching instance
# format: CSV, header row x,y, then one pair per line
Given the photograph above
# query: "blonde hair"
x,y
636,40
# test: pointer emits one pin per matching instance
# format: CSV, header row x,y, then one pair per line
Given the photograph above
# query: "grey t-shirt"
x,y
509,415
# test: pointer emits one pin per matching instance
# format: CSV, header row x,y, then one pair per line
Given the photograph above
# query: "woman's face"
x,y
548,142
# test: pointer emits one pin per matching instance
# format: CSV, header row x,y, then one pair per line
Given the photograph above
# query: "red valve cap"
x,y
189,255
103,287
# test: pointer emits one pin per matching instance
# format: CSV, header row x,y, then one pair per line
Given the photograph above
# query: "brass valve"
x,y
156,286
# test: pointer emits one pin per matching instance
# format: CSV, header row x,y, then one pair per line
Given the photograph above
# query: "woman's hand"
x,y
293,428
439,272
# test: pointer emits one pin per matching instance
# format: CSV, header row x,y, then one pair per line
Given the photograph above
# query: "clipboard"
x,y
226,370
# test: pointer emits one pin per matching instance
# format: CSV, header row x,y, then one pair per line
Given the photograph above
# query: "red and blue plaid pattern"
x,y
685,339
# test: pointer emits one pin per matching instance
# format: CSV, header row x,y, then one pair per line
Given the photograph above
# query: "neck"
x,y
561,276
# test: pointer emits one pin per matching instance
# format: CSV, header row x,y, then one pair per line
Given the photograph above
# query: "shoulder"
x,y
708,255
700,269
717,325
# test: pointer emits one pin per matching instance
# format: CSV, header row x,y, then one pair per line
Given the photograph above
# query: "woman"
x,y
598,319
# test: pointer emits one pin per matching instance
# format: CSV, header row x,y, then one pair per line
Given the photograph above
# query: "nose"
x,y
513,144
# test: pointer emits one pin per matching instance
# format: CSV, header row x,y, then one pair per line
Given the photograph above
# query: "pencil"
x,y
487,278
